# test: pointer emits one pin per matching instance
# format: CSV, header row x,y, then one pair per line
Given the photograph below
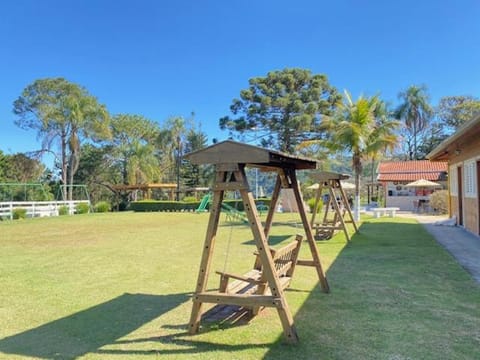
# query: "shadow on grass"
x,y
272,240
184,342
88,330
387,291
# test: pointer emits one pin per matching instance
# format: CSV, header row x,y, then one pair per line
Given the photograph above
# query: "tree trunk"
x,y
373,180
64,165
74,145
415,140
357,197
357,168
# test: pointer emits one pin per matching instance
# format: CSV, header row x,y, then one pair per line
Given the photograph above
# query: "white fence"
x,y
38,208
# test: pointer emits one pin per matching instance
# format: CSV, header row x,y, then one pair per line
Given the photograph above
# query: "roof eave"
x,y
440,153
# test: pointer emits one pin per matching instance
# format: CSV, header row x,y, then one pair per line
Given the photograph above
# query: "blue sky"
x,y
166,58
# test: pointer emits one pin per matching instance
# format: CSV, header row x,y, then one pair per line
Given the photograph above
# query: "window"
x,y
453,180
469,176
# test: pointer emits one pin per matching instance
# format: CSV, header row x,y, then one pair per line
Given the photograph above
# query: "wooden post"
x,y
347,204
273,205
292,180
208,247
317,200
338,213
268,266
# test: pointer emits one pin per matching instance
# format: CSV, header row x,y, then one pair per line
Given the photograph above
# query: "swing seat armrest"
x,y
247,278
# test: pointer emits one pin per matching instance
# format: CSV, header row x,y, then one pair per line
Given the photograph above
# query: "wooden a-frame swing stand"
x,y
341,216
274,271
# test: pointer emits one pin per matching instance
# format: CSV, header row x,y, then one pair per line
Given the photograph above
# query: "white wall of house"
x,y
401,196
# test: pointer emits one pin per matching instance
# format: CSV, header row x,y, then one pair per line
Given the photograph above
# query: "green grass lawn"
x,y
118,286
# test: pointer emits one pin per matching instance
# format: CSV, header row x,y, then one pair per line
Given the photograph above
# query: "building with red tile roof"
x,y
412,170
395,175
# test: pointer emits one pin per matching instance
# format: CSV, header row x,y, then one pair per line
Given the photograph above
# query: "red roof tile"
x,y
411,170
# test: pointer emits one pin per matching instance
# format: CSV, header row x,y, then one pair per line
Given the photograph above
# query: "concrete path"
x,y
463,245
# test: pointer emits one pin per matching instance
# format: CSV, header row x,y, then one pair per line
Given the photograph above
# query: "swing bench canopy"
x,y
232,152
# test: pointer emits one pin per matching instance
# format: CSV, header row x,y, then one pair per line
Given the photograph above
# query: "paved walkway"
x,y
463,245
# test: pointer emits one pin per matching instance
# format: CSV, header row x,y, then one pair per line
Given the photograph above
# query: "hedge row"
x,y
178,206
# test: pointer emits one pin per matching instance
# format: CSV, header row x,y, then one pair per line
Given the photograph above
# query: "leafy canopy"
x,y
283,108
416,113
63,114
454,111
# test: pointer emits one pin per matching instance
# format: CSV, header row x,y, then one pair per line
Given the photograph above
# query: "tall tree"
x,y
170,143
23,169
62,113
454,111
98,169
415,111
195,175
284,108
3,166
132,147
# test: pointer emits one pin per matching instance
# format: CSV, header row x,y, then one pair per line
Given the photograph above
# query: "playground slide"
x,y
203,204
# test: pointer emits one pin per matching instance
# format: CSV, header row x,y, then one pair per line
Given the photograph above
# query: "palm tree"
x,y
352,126
363,128
415,111
142,166
383,137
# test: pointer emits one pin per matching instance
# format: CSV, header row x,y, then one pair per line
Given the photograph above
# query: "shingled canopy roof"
x,y
232,152
327,175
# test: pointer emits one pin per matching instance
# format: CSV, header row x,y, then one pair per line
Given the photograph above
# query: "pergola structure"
x,y
146,188
230,159
337,201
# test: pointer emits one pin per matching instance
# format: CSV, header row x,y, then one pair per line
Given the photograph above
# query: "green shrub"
x,y
311,204
439,201
19,213
189,199
149,205
102,207
63,210
82,208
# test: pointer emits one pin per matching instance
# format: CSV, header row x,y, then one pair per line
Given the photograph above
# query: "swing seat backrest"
x,y
284,260
286,257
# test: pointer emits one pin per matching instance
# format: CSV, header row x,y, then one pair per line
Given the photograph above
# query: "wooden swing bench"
x,y
254,281
263,285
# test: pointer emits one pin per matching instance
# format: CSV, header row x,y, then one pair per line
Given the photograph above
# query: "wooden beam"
x,y
238,299
291,175
338,213
347,206
229,186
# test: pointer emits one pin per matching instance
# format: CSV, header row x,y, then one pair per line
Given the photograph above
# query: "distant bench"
x,y
390,211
